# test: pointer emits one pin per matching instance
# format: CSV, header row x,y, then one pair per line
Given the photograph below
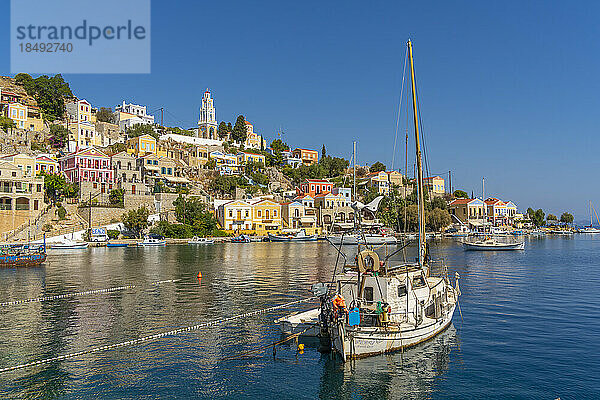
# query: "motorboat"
x,y
69,244
200,240
491,243
22,255
241,239
152,241
299,236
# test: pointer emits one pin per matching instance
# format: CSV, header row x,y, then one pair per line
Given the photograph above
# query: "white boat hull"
x,y
368,239
306,322
494,247
365,342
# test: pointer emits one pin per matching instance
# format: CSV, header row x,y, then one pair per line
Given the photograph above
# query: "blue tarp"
x,y
354,317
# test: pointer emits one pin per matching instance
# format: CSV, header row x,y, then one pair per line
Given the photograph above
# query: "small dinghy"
x,y
200,240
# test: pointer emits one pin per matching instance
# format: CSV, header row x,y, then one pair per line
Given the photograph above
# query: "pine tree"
x,y
222,131
239,132
323,152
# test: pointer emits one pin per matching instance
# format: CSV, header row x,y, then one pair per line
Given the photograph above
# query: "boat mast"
x,y
354,168
420,198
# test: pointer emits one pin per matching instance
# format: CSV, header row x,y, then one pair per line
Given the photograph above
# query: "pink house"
x,y
87,165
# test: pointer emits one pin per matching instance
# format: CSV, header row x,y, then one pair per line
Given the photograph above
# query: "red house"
x,y
313,187
87,165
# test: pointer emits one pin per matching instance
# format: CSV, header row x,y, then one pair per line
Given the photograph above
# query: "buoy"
x,y
199,274
301,348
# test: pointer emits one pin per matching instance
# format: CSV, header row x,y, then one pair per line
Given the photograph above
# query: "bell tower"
x,y
207,124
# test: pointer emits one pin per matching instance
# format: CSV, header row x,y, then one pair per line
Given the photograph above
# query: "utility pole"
x,y
161,116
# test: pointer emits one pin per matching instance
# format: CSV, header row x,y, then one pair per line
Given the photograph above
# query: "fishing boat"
x,y
200,240
22,255
492,243
362,238
590,228
299,236
153,240
391,307
116,244
69,244
241,239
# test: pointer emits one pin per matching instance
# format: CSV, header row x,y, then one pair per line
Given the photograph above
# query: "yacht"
x,y
153,240
200,240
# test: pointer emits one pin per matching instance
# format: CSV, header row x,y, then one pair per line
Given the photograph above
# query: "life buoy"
x,y
368,260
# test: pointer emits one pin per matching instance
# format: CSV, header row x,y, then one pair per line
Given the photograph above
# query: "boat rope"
x,y
155,336
86,293
265,347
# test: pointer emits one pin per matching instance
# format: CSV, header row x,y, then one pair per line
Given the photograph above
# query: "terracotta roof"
x,y
299,148
461,201
318,180
432,177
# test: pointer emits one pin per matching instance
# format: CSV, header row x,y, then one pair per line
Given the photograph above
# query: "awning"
x,y
344,225
308,220
177,179
152,167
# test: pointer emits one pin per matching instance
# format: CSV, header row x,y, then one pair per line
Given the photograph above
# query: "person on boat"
x,y
339,306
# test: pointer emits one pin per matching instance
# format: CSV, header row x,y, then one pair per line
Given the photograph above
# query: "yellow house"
x,y
18,113
435,184
34,119
266,216
24,162
141,145
253,139
245,157
235,216
46,164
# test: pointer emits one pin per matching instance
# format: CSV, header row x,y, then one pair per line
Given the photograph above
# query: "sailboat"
x,y
374,307
590,228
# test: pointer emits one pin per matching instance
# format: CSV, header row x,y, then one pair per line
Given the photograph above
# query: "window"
x,y
163,170
368,294
401,290
230,214
246,213
418,281
259,213
155,162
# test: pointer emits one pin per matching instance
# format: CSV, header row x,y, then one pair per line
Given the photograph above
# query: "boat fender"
x,y
368,260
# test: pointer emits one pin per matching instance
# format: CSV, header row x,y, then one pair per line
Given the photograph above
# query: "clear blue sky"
x,y
508,90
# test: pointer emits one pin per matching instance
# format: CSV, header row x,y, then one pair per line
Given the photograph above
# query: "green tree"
x,y
239,132
50,93
438,219
439,202
323,152
222,130
106,115
378,166
116,196
136,220
566,218
141,129
59,135
54,186
537,216
278,146
7,124
461,194
551,217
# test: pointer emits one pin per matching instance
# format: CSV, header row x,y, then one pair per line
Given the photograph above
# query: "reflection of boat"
x,y
153,240
69,244
390,307
306,322
491,243
299,236
116,244
560,232
414,373
200,240
22,255
241,239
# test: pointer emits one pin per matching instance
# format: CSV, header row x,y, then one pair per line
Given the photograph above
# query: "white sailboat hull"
x,y
366,342
368,239
495,246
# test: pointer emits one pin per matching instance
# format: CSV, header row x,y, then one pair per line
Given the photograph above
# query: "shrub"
x,y
112,233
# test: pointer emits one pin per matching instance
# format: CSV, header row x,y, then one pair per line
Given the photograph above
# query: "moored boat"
x,y
69,244
22,255
116,244
241,239
492,244
200,240
364,239
153,240
306,323
299,236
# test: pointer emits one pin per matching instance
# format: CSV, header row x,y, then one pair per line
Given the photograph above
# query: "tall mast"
x,y
421,200
354,168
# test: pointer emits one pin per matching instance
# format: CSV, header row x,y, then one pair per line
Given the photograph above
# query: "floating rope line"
x,y
155,336
63,296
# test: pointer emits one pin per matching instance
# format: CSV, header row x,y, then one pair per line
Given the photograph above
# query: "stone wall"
x,y
101,215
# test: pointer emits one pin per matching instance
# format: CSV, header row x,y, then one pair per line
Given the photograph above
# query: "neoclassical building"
x,y
207,124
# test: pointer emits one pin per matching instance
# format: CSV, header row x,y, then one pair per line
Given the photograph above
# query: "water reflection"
x,y
409,374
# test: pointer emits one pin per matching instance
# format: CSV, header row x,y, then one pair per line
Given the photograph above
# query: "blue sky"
x,y
508,90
